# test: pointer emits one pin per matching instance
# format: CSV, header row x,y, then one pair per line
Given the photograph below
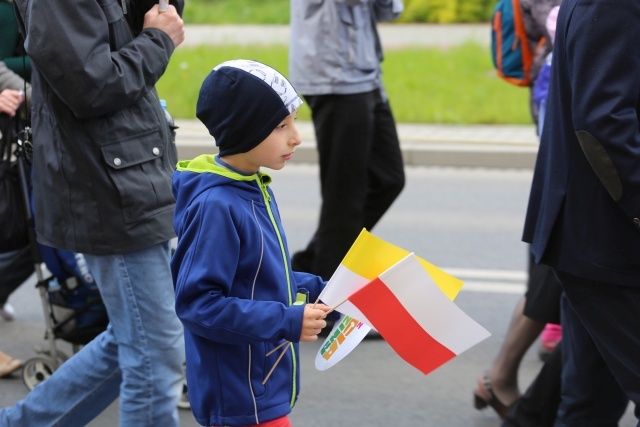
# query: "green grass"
x,y
236,12
455,86
277,11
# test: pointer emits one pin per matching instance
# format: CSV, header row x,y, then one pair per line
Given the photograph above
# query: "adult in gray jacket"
x,y
334,61
102,166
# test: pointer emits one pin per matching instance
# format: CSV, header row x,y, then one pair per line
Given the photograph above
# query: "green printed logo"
x,y
338,336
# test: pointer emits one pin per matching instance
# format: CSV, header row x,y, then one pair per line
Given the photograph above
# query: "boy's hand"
x,y
313,321
169,22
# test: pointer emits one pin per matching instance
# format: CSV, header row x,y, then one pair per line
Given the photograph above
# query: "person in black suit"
x,y
583,217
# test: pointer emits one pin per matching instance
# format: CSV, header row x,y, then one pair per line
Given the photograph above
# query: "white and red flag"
x,y
414,316
368,257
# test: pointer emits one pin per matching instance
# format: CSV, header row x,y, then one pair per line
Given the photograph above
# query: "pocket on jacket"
x,y
135,165
112,10
260,368
360,47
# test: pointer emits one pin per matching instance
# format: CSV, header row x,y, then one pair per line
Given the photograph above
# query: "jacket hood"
x,y
193,177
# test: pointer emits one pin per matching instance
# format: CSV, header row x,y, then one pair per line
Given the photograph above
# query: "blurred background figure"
x,y
334,62
498,387
582,218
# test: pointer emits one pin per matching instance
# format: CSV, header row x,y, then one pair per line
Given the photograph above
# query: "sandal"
x,y
10,366
483,396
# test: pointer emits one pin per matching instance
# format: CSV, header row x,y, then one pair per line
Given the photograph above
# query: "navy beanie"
x,y
242,101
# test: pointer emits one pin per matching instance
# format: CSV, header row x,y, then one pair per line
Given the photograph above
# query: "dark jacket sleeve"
x,y
90,64
603,56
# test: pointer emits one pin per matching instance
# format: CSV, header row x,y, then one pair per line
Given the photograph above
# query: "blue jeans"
x,y
139,357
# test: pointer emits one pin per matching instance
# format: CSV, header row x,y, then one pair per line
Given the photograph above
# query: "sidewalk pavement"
x,y
392,35
487,146
422,144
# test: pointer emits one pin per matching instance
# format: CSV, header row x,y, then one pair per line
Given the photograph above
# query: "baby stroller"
x,y
73,309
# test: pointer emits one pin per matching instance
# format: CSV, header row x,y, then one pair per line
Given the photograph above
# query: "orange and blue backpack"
x,y
510,49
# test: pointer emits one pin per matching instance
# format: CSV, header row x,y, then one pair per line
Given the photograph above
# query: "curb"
x,y
504,147
495,147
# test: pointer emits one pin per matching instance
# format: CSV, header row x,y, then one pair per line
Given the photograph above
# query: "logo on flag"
x,y
368,257
336,346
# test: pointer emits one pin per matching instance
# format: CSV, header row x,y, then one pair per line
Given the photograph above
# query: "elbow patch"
x,y
601,163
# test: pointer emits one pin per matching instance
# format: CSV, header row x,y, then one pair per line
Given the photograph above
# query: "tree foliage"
x,y
447,11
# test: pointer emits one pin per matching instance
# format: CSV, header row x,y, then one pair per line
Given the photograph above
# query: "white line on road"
x,y
490,281
495,288
501,275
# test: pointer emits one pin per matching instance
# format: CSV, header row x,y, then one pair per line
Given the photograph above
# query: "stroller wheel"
x,y
38,369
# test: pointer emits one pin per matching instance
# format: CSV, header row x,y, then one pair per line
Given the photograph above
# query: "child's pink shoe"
x,y
550,336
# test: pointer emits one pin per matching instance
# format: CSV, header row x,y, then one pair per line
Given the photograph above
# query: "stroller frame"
x,y
40,367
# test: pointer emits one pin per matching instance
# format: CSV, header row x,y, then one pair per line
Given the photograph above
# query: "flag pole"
x,y
336,306
275,364
276,349
273,350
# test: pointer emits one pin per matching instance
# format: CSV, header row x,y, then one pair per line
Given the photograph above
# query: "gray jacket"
x,y
11,80
103,155
335,48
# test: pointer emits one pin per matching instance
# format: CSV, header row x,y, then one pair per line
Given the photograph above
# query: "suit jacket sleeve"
x,y
603,55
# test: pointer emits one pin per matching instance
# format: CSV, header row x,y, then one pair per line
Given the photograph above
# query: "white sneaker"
x,y
184,403
7,312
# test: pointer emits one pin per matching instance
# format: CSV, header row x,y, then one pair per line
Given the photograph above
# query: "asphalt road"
x,y
467,221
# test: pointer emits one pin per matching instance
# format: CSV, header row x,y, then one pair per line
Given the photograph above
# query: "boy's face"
x,y
273,152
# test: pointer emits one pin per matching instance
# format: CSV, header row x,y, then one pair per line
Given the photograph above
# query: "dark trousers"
x,y
361,173
539,404
601,352
15,267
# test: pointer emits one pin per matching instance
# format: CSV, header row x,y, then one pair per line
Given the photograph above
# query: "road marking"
x,y
495,288
501,275
491,281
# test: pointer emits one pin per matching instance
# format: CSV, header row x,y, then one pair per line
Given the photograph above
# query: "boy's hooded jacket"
x,y
235,294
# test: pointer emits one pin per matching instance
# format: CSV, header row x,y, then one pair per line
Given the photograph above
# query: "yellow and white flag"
x,y
368,257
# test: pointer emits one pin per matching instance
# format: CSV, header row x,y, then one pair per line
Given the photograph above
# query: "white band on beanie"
x,y
277,81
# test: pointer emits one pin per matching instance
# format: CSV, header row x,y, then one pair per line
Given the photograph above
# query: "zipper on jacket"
x,y
267,202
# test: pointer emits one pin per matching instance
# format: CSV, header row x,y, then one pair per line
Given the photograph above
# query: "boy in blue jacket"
x,y
241,304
